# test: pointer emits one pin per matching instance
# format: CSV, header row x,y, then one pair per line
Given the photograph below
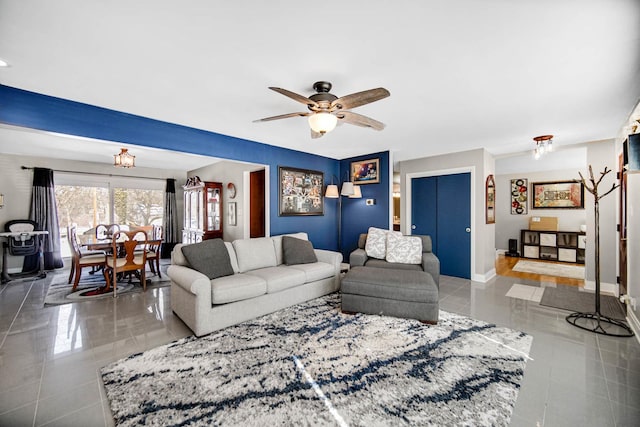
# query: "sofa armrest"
x,y
431,264
330,257
190,280
357,258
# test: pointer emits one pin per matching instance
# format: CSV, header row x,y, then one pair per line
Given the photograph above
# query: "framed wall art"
x,y
557,195
490,201
231,213
300,192
519,199
365,171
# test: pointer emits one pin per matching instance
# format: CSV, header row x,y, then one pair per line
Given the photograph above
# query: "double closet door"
x,y
441,208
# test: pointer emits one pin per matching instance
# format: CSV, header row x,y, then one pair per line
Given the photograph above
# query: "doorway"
x,y
257,204
441,208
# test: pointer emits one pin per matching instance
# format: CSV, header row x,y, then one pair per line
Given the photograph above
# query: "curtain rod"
x,y
99,174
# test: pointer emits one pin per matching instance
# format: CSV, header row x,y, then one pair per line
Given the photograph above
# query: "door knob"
x,y
468,230
413,227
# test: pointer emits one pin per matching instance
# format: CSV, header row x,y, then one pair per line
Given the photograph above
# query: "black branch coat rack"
x,y
596,321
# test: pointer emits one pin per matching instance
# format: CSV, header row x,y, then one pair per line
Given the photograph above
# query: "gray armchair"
x,y
430,262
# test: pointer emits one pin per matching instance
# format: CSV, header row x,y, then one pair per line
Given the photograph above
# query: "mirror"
x,y
491,200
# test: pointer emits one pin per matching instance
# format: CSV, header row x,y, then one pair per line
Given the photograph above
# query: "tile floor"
x,y
50,356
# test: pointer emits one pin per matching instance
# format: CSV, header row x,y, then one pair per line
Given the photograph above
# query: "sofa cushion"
x,y
254,253
236,287
277,244
376,245
232,257
297,251
209,257
404,249
279,278
316,270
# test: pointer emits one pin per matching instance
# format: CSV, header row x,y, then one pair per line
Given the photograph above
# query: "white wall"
x,y
508,226
599,155
16,183
226,172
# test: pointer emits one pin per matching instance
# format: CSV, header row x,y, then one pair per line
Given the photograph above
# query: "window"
x,y
87,201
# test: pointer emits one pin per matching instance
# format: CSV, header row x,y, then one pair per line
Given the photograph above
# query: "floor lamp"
x,y
333,192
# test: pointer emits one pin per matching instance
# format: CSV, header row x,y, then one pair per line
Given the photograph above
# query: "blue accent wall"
x,y
357,217
32,110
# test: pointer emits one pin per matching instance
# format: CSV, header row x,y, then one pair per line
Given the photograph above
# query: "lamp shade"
x,y
357,193
347,189
322,122
332,192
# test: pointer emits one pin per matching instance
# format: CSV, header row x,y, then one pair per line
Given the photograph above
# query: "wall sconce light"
x,y
124,159
1,201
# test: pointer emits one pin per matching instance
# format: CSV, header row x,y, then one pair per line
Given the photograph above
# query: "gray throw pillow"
x,y
297,251
209,257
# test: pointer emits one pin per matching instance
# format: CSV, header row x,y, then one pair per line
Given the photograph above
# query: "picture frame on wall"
x,y
300,192
490,200
557,195
232,216
519,196
365,171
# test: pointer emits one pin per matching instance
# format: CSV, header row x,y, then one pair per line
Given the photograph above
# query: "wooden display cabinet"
x,y
202,212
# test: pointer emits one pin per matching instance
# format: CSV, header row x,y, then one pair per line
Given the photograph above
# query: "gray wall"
x,y
483,235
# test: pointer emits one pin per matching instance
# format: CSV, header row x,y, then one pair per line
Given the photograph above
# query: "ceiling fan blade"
x,y
301,99
359,120
316,135
282,116
359,98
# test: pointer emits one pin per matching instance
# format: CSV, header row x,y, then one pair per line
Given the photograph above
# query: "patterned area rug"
x,y
312,365
550,269
59,291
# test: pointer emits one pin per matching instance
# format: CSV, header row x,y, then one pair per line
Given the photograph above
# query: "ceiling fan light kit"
x,y
322,122
326,109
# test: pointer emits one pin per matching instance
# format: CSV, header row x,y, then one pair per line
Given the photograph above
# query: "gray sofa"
x,y
261,284
430,263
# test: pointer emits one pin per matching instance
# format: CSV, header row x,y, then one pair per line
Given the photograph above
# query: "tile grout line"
x,y
13,321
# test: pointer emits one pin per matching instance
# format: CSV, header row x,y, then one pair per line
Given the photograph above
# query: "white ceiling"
x,y
463,74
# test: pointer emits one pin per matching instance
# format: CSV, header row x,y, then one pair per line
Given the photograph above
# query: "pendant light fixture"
x,y
124,159
544,144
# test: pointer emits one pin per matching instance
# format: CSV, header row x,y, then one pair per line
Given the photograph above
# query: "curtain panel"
x,y
170,221
44,211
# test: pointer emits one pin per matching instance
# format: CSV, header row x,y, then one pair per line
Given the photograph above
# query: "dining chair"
x,y
131,261
154,249
81,259
105,231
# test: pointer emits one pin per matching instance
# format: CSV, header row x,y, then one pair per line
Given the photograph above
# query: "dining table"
x,y
94,244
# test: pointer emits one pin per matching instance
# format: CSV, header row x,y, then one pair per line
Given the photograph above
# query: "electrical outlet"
x,y
633,303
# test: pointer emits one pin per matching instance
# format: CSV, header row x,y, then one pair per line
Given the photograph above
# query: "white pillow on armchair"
x,y
376,246
404,249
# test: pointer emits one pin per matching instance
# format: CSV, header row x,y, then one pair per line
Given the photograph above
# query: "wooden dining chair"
x,y
131,261
105,231
153,249
81,259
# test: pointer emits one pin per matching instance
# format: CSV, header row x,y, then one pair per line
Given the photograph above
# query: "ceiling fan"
x,y
326,109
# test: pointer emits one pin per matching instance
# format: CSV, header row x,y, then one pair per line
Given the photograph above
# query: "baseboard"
x,y
500,252
608,288
484,278
634,323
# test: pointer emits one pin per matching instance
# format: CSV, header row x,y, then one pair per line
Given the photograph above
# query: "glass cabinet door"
x,y
213,209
